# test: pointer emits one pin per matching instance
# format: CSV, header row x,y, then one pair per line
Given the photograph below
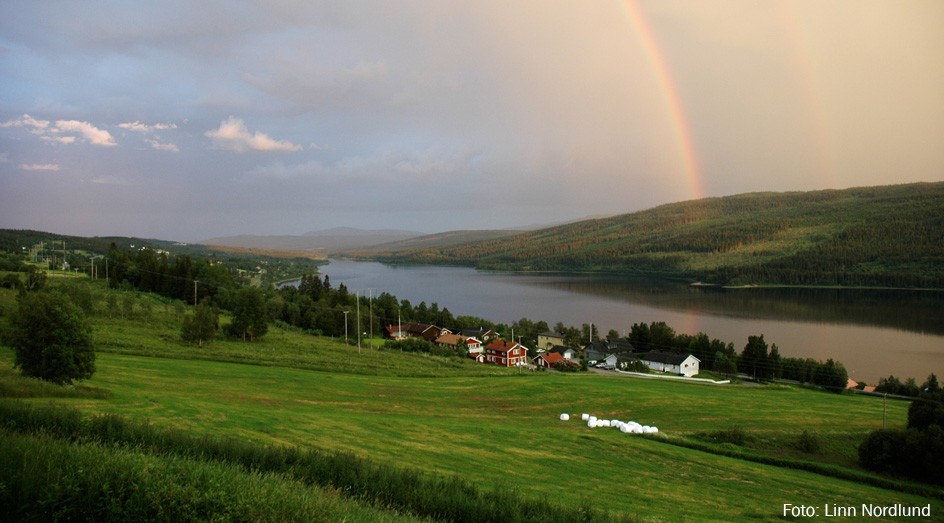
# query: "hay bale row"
x,y
626,427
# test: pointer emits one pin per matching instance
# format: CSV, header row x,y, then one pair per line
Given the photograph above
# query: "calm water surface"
x,y
873,333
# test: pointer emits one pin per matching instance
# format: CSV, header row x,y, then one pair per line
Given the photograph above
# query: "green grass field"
x,y
494,427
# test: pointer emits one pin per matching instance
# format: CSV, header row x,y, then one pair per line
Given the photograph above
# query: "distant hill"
x,y
433,241
891,236
325,241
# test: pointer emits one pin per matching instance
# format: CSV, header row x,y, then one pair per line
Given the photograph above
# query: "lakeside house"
x,y
568,353
548,359
672,363
548,340
422,331
454,341
506,353
481,333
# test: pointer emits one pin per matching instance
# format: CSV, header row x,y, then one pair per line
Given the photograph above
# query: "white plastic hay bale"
x,y
592,423
655,430
637,429
585,416
625,429
565,417
592,418
604,423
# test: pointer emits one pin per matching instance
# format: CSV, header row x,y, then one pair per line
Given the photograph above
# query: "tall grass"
x,y
425,495
43,478
15,385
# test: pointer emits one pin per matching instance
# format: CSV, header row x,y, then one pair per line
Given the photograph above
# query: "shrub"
x,y
926,410
808,442
734,435
912,453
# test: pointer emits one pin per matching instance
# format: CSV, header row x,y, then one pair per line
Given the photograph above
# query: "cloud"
x,y
64,131
109,180
39,166
233,135
387,165
139,127
162,146
38,126
94,135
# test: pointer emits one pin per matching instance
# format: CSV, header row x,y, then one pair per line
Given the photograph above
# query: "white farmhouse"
x,y
672,363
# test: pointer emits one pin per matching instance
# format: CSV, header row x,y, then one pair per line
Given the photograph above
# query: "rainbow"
x,y
670,96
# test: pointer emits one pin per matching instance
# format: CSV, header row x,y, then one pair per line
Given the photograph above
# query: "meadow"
x,y
495,429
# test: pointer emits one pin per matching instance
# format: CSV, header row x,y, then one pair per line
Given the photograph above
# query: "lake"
x,y
874,333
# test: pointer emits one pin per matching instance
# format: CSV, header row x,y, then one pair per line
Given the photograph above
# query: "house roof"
x,y
671,358
560,349
552,357
451,339
479,332
503,346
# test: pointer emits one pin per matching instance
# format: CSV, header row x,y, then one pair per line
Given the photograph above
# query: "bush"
x,y
734,435
926,410
808,442
911,453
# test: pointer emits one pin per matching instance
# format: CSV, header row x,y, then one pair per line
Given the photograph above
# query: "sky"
x,y
188,120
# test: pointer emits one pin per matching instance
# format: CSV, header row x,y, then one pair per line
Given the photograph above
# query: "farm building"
x,y
672,362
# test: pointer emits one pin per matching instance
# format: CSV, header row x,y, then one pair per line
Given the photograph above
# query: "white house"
x,y
567,352
672,363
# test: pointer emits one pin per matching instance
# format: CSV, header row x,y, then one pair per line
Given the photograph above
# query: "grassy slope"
x,y
505,430
742,238
488,425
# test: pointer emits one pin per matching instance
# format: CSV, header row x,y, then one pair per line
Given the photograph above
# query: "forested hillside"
x,y
869,236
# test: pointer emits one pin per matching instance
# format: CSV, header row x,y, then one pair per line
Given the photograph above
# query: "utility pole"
x,y
884,409
370,308
194,293
357,297
345,326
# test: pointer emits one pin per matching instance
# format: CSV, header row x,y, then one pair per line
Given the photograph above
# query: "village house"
x,y
454,341
415,330
506,353
568,353
672,363
547,340
549,359
481,333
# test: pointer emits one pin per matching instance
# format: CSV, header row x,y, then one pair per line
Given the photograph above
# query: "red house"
x,y
506,353
548,359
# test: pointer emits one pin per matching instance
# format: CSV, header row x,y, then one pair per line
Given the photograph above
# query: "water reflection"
x,y
917,311
873,332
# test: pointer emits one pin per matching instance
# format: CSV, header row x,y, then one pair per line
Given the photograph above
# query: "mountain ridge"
x,y
865,236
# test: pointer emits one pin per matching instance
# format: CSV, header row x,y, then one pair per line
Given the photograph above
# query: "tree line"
x,y
917,451
877,237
